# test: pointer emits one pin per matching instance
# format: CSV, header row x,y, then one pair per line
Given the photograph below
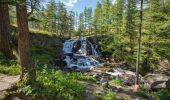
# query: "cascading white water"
x,y
83,50
80,49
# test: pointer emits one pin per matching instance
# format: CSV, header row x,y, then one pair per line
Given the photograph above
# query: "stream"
x,y
82,55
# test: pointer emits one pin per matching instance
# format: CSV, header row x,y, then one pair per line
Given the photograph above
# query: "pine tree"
x,y
5,30
97,20
81,24
88,19
85,18
62,19
23,43
131,22
119,16
105,15
71,23
49,18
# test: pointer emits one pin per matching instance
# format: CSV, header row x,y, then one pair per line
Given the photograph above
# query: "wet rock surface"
x,y
117,70
127,77
156,81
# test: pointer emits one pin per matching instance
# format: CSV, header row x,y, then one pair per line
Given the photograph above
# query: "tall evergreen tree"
x,y
71,23
62,18
5,30
81,24
97,20
119,16
49,19
23,42
131,12
105,15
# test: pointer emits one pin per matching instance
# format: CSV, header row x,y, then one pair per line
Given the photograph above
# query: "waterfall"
x,y
77,51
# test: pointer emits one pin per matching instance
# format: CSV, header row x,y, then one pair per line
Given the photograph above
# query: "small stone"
x,y
168,83
102,80
99,92
105,85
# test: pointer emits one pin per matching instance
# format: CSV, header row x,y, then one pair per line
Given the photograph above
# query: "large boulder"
x,y
150,78
157,81
158,85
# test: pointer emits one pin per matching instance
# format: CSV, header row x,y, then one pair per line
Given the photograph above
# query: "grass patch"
x,y
56,84
163,94
109,95
42,56
81,77
115,82
10,67
10,70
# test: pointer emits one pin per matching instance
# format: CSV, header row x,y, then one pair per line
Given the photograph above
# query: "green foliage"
x,y
57,84
110,95
120,40
10,67
52,84
81,77
97,19
115,82
10,70
143,92
42,56
162,95
81,24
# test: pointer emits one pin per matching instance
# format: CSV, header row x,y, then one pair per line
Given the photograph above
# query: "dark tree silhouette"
x,y
5,31
23,42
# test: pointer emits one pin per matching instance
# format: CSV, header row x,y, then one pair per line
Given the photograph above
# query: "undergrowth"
x,y
10,67
53,84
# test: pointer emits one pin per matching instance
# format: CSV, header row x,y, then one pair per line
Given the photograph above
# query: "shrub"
x,y
162,95
80,77
10,67
110,95
56,84
115,82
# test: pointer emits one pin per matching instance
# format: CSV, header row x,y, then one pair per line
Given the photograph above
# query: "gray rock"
x,y
102,80
128,82
158,85
105,84
99,92
168,84
151,78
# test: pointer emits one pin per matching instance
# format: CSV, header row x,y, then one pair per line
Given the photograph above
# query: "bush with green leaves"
x,y
115,82
10,67
162,95
57,84
110,95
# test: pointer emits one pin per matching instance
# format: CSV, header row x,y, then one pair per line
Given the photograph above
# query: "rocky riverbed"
x,y
126,77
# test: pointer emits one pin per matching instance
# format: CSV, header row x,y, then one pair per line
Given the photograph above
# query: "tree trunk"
x,y
5,31
139,43
23,43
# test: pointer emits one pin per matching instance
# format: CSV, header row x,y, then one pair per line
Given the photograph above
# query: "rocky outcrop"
x,y
157,81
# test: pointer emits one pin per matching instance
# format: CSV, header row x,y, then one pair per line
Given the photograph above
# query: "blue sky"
x,y
79,5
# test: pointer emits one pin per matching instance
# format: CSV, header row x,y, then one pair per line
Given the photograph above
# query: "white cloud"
x,y
113,2
70,3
